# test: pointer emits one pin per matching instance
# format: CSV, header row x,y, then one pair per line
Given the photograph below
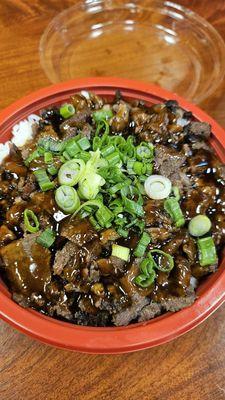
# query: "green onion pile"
x,y
105,179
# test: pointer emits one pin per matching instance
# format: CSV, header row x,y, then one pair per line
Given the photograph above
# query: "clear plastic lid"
x,y
152,40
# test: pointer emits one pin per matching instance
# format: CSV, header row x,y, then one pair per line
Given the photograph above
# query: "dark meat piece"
x,y
181,275
61,308
174,303
14,215
159,234
201,145
218,228
14,162
220,172
150,311
190,249
69,256
51,117
100,319
168,162
109,235
86,131
27,265
198,131
118,263
198,271
43,201
120,121
70,126
156,216
140,119
127,281
198,201
79,231
6,235
174,244
29,187
91,251
130,313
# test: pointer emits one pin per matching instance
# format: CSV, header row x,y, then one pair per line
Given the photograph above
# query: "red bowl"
x,y
211,292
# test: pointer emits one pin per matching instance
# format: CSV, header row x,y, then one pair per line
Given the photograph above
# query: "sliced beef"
x,y
159,234
150,311
130,313
180,276
169,162
70,126
190,249
198,130
29,187
198,271
220,172
68,256
108,236
174,303
91,251
155,215
102,318
120,120
6,235
79,231
27,265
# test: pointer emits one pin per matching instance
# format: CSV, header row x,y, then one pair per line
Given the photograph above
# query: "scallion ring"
x,y
71,172
67,199
31,222
157,187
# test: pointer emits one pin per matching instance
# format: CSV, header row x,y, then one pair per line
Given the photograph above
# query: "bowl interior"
x,y
136,336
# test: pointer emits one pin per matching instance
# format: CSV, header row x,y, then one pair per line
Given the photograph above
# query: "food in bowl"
x,y
111,212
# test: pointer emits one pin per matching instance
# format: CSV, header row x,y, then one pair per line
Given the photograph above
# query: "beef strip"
x,y
27,265
79,231
169,162
68,256
71,126
198,131
120,121
174,303
124,317
150,311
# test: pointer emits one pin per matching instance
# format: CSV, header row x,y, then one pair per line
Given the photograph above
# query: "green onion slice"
x,y
46,238
67,199
142,245
102,115
31,222
71,172
165,261
207,251
172,207
120,252
43,180
90,186
67,110
199,225
158,187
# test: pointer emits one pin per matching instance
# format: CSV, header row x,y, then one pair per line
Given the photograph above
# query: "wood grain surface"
x,y
191,367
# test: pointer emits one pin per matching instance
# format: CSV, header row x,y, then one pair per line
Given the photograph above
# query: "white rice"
x,y
21,132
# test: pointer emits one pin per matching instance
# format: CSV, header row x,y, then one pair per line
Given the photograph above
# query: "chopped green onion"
x,y
33,156
107,150
84,143
142,245
136,168
85,156
144,151
120,252
172,207
31,222
145,281
72,148
132,207
104,216
94,223
102,115
43,180
52,170
113,158
123,232
67,110
46,238
207,251
157,187
199,225
176,193
48,157
71,172
90,185
67,199
52,145
161,257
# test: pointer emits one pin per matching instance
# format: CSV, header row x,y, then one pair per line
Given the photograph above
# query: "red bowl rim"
x,y
136,336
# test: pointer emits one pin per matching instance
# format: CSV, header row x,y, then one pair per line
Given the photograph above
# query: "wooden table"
x,y
191,367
